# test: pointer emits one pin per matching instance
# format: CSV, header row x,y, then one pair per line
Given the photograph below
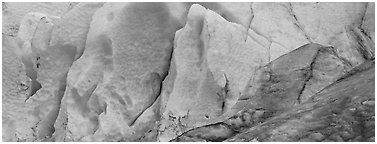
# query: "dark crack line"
x,y
363,17
164,76
308,78
154,101
296,22
362,22
251,19
252,12
225,91
304,85
137,117
311,69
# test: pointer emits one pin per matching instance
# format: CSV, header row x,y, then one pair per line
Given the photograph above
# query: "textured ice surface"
x,y
192,71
